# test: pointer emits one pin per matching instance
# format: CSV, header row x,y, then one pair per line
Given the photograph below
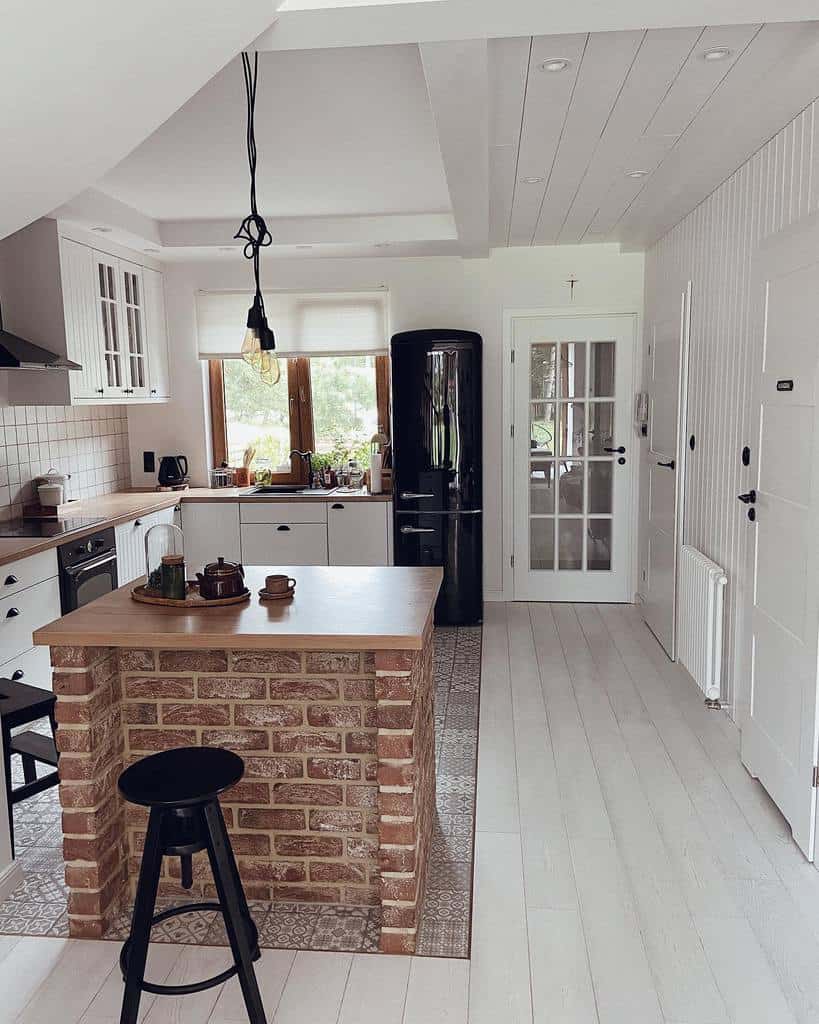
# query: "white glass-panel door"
x,y
108,298
132,308
574,454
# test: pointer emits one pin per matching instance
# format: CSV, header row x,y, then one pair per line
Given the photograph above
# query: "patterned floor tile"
x,y
447,905
449,848
217,933
288,931
455,876
340,929
444,938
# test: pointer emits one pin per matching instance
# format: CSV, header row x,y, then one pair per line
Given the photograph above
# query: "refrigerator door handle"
x,y
417,529
412,495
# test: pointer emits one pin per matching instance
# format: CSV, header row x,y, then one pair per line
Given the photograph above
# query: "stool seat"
x,y
181,777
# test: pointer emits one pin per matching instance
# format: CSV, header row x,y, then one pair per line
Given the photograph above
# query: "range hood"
x,y
18,354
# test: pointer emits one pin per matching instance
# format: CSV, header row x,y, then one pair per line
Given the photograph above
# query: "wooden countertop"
x,y
334,608
123,506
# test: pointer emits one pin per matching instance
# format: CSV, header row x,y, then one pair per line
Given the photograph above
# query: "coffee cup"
x,y
278,584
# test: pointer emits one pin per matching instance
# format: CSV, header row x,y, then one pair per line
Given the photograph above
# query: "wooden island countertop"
x,y
334,607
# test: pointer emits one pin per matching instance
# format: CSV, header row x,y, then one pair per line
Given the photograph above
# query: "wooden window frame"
x,y
302,435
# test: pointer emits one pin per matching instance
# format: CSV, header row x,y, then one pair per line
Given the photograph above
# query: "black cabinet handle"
x,y
100,391
153,391
338,505
671,464
749,498
12,613
17,675
283,529
10,580
619,451
137,522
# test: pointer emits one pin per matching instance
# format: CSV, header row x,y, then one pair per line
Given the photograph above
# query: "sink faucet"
x,y
307,457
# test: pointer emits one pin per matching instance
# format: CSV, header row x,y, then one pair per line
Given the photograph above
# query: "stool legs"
x,y
234,908
143,916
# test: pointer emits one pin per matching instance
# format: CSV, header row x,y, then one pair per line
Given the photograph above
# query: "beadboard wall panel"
x,y
713,247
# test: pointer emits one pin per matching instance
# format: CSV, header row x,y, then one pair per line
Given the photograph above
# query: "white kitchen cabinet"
x,y
156,332
23,613
284,544
211,529
130,541
79,303
358,532
104,310
32,666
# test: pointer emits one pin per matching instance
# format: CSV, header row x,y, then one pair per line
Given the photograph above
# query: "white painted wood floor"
x,y
628,870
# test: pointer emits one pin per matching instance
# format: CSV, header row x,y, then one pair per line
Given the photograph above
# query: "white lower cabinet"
x,y
130,539
211,529
358,532
32,667
284,544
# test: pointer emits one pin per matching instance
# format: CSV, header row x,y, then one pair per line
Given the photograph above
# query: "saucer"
x,y
266,596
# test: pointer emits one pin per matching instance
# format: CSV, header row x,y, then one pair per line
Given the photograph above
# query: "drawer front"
x,y
285,544
358,533
283,511
21,614
25,572
35,666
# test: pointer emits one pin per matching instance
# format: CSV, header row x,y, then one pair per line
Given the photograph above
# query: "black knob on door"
x,y
12,613
619,451
671,464
11,580
17,675
283,529
749,498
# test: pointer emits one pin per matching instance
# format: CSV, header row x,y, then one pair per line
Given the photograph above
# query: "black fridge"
x,y
437,472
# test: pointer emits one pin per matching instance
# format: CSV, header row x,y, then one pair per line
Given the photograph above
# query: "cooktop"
x,y
46,527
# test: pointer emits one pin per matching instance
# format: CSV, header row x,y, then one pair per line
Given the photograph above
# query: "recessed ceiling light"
x,y
637,174
102,229
531,181
716,53
554,64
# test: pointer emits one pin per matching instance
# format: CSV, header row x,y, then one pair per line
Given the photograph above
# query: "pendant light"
x,y
259,345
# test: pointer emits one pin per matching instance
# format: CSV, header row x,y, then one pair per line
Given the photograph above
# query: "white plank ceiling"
x,y
563,145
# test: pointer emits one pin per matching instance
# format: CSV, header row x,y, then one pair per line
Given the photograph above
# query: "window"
x,y
328,404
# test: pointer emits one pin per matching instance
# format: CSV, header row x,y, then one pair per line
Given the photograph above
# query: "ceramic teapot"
x,y
221,579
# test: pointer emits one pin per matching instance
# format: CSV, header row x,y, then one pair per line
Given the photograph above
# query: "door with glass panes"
x,y
574,455
121,325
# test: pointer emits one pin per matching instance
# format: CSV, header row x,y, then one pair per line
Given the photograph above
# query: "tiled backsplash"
x,y
89,443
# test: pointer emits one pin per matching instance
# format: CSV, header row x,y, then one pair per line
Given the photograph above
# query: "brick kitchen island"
x,y
327,698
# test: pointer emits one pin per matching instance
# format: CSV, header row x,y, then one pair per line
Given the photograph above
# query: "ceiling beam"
x,y
458,85
379,24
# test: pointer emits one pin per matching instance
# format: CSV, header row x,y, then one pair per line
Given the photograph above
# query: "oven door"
x,y
84,583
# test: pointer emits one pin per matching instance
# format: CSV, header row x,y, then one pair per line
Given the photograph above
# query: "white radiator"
x,y
699,626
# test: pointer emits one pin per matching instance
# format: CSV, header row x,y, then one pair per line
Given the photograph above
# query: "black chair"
x,y
21,704
181,788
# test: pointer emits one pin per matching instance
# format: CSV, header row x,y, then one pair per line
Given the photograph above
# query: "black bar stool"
x,y
22,704
181,788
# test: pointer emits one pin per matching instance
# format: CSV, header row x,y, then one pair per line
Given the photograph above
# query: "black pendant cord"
x,y
253,230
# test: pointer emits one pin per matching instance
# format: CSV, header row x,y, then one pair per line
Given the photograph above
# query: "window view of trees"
x,y
344,408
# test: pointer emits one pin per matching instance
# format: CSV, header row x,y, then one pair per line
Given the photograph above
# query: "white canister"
x,y
376,462
51,487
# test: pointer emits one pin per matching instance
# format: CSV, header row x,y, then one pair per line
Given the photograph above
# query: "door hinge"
x,y
816,776
512,561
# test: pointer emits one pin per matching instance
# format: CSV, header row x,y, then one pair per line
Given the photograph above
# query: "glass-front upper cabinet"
x,y
121,323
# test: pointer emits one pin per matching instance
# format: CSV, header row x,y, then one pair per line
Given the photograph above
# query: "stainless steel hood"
x,y
18,354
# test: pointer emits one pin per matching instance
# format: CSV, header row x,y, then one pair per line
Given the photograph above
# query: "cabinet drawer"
x,y
25,612
283,511
35,666
16,576
285,544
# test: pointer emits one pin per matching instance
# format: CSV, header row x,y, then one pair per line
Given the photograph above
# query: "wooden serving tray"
x,y
193,599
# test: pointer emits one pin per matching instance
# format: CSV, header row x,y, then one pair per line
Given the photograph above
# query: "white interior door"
x,y
779,716
667,380
573,526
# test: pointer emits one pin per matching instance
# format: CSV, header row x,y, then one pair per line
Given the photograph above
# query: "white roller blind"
x,y
305,324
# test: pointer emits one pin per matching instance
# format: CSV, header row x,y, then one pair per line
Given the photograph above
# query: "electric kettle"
x,y
173,470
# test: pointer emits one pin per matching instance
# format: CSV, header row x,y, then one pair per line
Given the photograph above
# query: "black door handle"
x,y
671,464
17,675
283,529
11,580
12,613
749,498
619,451
338,505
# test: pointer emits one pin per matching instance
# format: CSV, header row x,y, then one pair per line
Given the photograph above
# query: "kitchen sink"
x,y
271,490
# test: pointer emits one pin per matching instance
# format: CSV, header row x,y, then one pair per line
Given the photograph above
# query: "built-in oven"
x,y
88,569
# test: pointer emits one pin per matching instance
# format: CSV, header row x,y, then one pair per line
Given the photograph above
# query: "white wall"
x,y
713,247
424,292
